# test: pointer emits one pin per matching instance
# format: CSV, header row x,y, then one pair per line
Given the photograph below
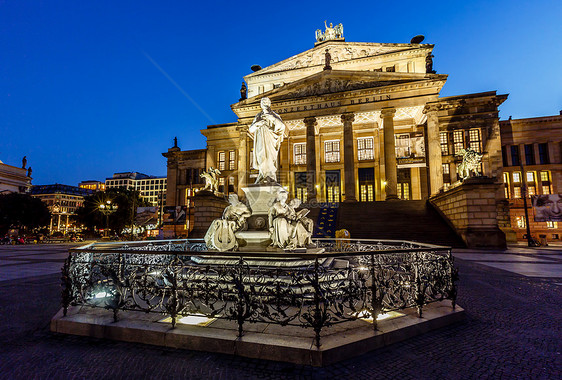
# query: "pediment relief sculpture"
x,y
329,86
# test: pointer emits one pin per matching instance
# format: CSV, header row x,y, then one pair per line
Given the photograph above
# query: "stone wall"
x,y
207,207
471,209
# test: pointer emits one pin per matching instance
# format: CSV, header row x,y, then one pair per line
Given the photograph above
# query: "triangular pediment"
x,y
340,52
336,81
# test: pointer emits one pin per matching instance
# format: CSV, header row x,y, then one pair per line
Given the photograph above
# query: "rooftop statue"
x,y
268,131
331,32
470,163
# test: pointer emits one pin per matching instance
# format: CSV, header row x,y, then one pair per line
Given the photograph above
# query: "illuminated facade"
x,y
151,188
370,127
92,185
62,201
533,145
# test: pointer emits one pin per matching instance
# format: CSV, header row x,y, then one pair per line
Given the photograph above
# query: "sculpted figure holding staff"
x,y
268,131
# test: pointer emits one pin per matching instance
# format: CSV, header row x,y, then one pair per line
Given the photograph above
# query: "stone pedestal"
x,y
471,209
260,198
207,207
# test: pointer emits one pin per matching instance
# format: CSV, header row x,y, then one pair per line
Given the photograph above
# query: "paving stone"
x,y
513,330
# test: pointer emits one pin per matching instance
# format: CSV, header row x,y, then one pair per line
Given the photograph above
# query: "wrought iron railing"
x,y
342,281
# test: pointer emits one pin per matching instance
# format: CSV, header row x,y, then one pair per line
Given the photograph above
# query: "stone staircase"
x,y
402,220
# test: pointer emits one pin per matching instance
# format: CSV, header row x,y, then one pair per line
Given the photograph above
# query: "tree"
x,y
22,211
126,200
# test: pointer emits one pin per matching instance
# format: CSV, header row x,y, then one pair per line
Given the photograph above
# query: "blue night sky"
x,y
89,88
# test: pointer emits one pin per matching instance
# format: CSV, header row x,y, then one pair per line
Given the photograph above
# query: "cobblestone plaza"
x,y
512,301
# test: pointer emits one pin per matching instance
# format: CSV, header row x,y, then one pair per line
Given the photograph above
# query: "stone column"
x,y
348,158
387,115
242,160
434,160
310,123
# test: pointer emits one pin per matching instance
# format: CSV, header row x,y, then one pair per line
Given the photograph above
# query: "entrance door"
x,y
333,186
300,186
404,184
366,184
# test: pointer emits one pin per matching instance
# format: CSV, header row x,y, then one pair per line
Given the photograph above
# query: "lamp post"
x,y
107,209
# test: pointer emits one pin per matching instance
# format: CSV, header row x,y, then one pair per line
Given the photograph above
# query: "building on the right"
x,y
532,160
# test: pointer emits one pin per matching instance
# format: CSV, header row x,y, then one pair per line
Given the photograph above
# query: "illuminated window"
x,y
506,184
222,160
545,177
444,143
446,169
516,192
516,177
546,189
231,160
366,193
475,142
299,150
403,191
530,176
531,190
446,186
332,151
458,141
365,148
550,224
221,184
520,221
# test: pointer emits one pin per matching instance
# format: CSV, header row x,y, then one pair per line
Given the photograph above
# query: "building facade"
x,y
92,185
14,179
151,188
532,164
62,201
365,123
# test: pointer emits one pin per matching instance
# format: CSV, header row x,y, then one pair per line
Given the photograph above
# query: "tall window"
x,y
529,154
516,177
506,184
365,148
475,140
221,184
444,143
332,151
531,184
446,176
543,154
458,141
520,220
222,160
545,182
515,155
299,150
232,160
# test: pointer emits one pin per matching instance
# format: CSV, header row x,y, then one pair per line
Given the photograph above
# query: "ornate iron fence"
x,y
342,281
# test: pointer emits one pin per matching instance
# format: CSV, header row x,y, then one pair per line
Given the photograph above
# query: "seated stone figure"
x,y
220,235
289,229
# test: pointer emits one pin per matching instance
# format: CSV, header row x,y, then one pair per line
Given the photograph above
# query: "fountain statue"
x,y
268,222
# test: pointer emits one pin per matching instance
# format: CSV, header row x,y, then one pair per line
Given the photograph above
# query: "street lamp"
x,y
107,209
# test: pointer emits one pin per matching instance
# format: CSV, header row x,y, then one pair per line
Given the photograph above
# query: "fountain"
x,y
258,264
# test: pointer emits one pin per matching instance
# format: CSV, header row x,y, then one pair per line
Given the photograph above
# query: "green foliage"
x,y
126,200
22,211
